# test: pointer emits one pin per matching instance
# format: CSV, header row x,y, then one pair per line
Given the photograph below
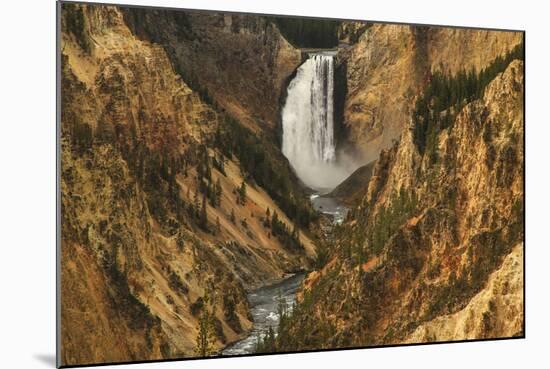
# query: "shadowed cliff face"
x,y
433,252
142,244
240,61
391,64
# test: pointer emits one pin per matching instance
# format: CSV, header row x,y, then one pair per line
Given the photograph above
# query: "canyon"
x,y
198,149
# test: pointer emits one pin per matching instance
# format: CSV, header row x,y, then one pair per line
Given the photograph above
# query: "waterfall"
x,y
308,123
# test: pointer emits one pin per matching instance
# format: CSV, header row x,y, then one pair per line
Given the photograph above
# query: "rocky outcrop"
x,y
455,49
141,246
389,66
158,229
349,32
499,304
433,252
353,189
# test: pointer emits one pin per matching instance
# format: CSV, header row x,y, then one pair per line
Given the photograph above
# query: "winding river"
x,y
263,307
264,301
329,206
309,144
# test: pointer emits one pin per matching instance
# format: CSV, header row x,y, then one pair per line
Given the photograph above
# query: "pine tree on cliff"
x,y
242,193
267,219
203,219
282,311
221,162
196,204
205,336
295,233
269,340
218,192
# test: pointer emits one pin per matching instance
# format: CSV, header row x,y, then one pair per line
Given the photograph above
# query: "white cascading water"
x,y
308,124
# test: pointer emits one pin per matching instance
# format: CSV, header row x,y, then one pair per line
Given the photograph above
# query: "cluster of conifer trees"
x,y
257,164
446,94
290,239
211,189
206,336
389,219
268,342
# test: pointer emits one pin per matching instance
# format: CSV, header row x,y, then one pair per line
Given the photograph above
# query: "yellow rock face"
x,y
390,64
499,304
128,282
451,269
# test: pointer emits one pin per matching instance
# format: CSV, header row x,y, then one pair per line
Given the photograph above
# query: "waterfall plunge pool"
x,y
309,145
329,206
308,139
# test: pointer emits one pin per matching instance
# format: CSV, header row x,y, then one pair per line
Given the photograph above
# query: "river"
x,y
264,301
329,206
309,144
263,307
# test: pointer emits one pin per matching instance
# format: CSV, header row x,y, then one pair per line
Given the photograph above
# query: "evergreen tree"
x,y
255,161
275,222
82,136
241,193
203,218
447,94
196,205
206,336
282,310
218,192
267,219
295,233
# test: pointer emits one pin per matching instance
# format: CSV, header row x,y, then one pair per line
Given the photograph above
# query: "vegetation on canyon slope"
x,y
176,199
445,95
409,241
161,203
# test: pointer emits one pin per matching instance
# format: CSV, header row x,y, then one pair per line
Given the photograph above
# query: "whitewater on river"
x,y
263,306
329,206
309,145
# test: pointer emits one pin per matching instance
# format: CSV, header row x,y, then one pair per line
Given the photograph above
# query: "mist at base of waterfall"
x,y
324,177
308,125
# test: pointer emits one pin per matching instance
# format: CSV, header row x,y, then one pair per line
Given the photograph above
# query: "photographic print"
x,y
241,184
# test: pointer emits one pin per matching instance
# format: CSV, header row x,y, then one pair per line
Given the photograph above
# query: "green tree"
x,y
206,335
218,192
295,233
282,311
196,205
82,136
275,222
267,219
241,194
203,218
